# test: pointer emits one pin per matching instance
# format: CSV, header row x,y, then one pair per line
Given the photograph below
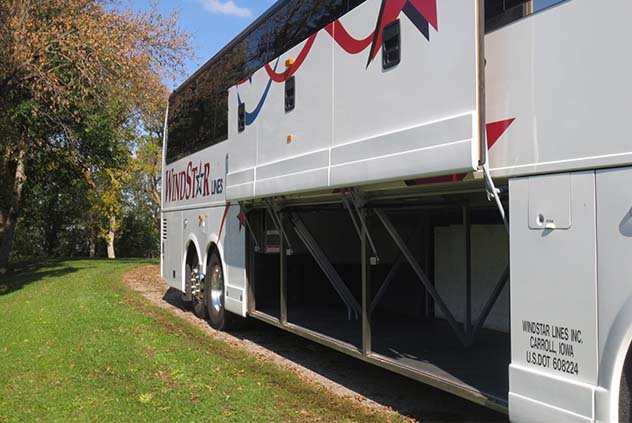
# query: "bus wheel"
x,y
625,390
197,291
219,318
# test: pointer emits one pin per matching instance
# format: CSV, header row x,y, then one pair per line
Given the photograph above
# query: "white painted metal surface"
x,y
356,123
418,118
554,295
197,213
614,264
563,75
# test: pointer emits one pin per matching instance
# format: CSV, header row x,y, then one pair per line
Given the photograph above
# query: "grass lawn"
x,y
76,344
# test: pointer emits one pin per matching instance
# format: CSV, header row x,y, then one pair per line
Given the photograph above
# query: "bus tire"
x,y
218,316
625,390
198,303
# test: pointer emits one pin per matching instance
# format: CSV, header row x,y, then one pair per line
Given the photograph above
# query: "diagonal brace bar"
x,y
276,219
490,302
456,327
391,274
359,222
358,203
247,224
323,262
345,201
387,281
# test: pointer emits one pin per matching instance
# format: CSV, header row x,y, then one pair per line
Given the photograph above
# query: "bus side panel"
x,y
233,244
564,75
197,180
614,246
293,146
553,295
242,146
172,249
417,118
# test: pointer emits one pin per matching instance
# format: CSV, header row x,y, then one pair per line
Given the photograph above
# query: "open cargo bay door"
x,y
390,91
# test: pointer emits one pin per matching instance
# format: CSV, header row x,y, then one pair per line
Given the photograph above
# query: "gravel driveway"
x,y
338,373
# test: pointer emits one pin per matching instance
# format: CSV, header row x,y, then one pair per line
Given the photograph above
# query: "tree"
x,y
62,60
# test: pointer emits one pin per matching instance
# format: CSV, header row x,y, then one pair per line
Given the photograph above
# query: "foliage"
x,y
78,345
52,222
66,207
80,81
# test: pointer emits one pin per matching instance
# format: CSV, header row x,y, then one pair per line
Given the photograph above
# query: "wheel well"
x,y
625,389
211,249
192,255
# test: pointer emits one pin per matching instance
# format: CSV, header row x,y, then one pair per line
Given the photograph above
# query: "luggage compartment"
x,y
405,296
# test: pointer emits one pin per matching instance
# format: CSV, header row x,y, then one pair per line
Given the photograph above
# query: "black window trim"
x,y
528,12
234,43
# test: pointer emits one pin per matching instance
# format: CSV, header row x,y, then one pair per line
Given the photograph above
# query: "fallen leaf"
x,y
145,398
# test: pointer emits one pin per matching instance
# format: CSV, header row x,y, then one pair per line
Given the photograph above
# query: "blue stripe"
x,y
252,116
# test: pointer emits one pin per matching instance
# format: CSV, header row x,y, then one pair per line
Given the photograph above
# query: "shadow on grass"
x,y
26,274
406,396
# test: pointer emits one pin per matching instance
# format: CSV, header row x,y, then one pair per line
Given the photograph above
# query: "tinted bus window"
x,y
543,4
198,111
499,13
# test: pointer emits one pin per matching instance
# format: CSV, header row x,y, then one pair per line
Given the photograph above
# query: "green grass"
x,y
78,345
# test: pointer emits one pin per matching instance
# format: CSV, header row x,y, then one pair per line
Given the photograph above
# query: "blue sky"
x,y
212,23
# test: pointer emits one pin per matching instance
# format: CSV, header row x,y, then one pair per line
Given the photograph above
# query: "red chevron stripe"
x,y
495,131
349,44
428,9
282,77
390,11
221,225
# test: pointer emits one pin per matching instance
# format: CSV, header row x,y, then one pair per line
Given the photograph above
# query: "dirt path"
x,y
341,375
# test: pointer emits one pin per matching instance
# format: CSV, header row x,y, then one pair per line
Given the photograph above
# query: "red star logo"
x,y
242,219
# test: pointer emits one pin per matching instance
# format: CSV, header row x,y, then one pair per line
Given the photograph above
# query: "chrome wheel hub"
x,y
217,286
197,284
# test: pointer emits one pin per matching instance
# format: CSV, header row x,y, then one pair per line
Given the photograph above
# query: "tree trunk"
x,y
92,243
2,220
10,219
111,232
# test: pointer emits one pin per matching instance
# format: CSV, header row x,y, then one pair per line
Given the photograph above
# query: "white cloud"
x,y
226,7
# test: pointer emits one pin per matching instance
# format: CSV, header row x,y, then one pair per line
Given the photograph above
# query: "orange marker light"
x,y
289,63
290,138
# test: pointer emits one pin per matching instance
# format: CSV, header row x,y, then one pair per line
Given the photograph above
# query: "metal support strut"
x,y
490,302
391,274
349,197
353,307
388,225
467,225
273,211
467,331
494,193
247,224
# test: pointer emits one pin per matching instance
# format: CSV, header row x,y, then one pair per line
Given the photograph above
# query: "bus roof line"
x,y
271,10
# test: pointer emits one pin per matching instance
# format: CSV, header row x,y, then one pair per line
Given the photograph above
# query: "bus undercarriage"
x,y
416,282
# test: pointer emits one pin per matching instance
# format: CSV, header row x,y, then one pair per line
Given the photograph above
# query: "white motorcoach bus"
x,y
363,173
